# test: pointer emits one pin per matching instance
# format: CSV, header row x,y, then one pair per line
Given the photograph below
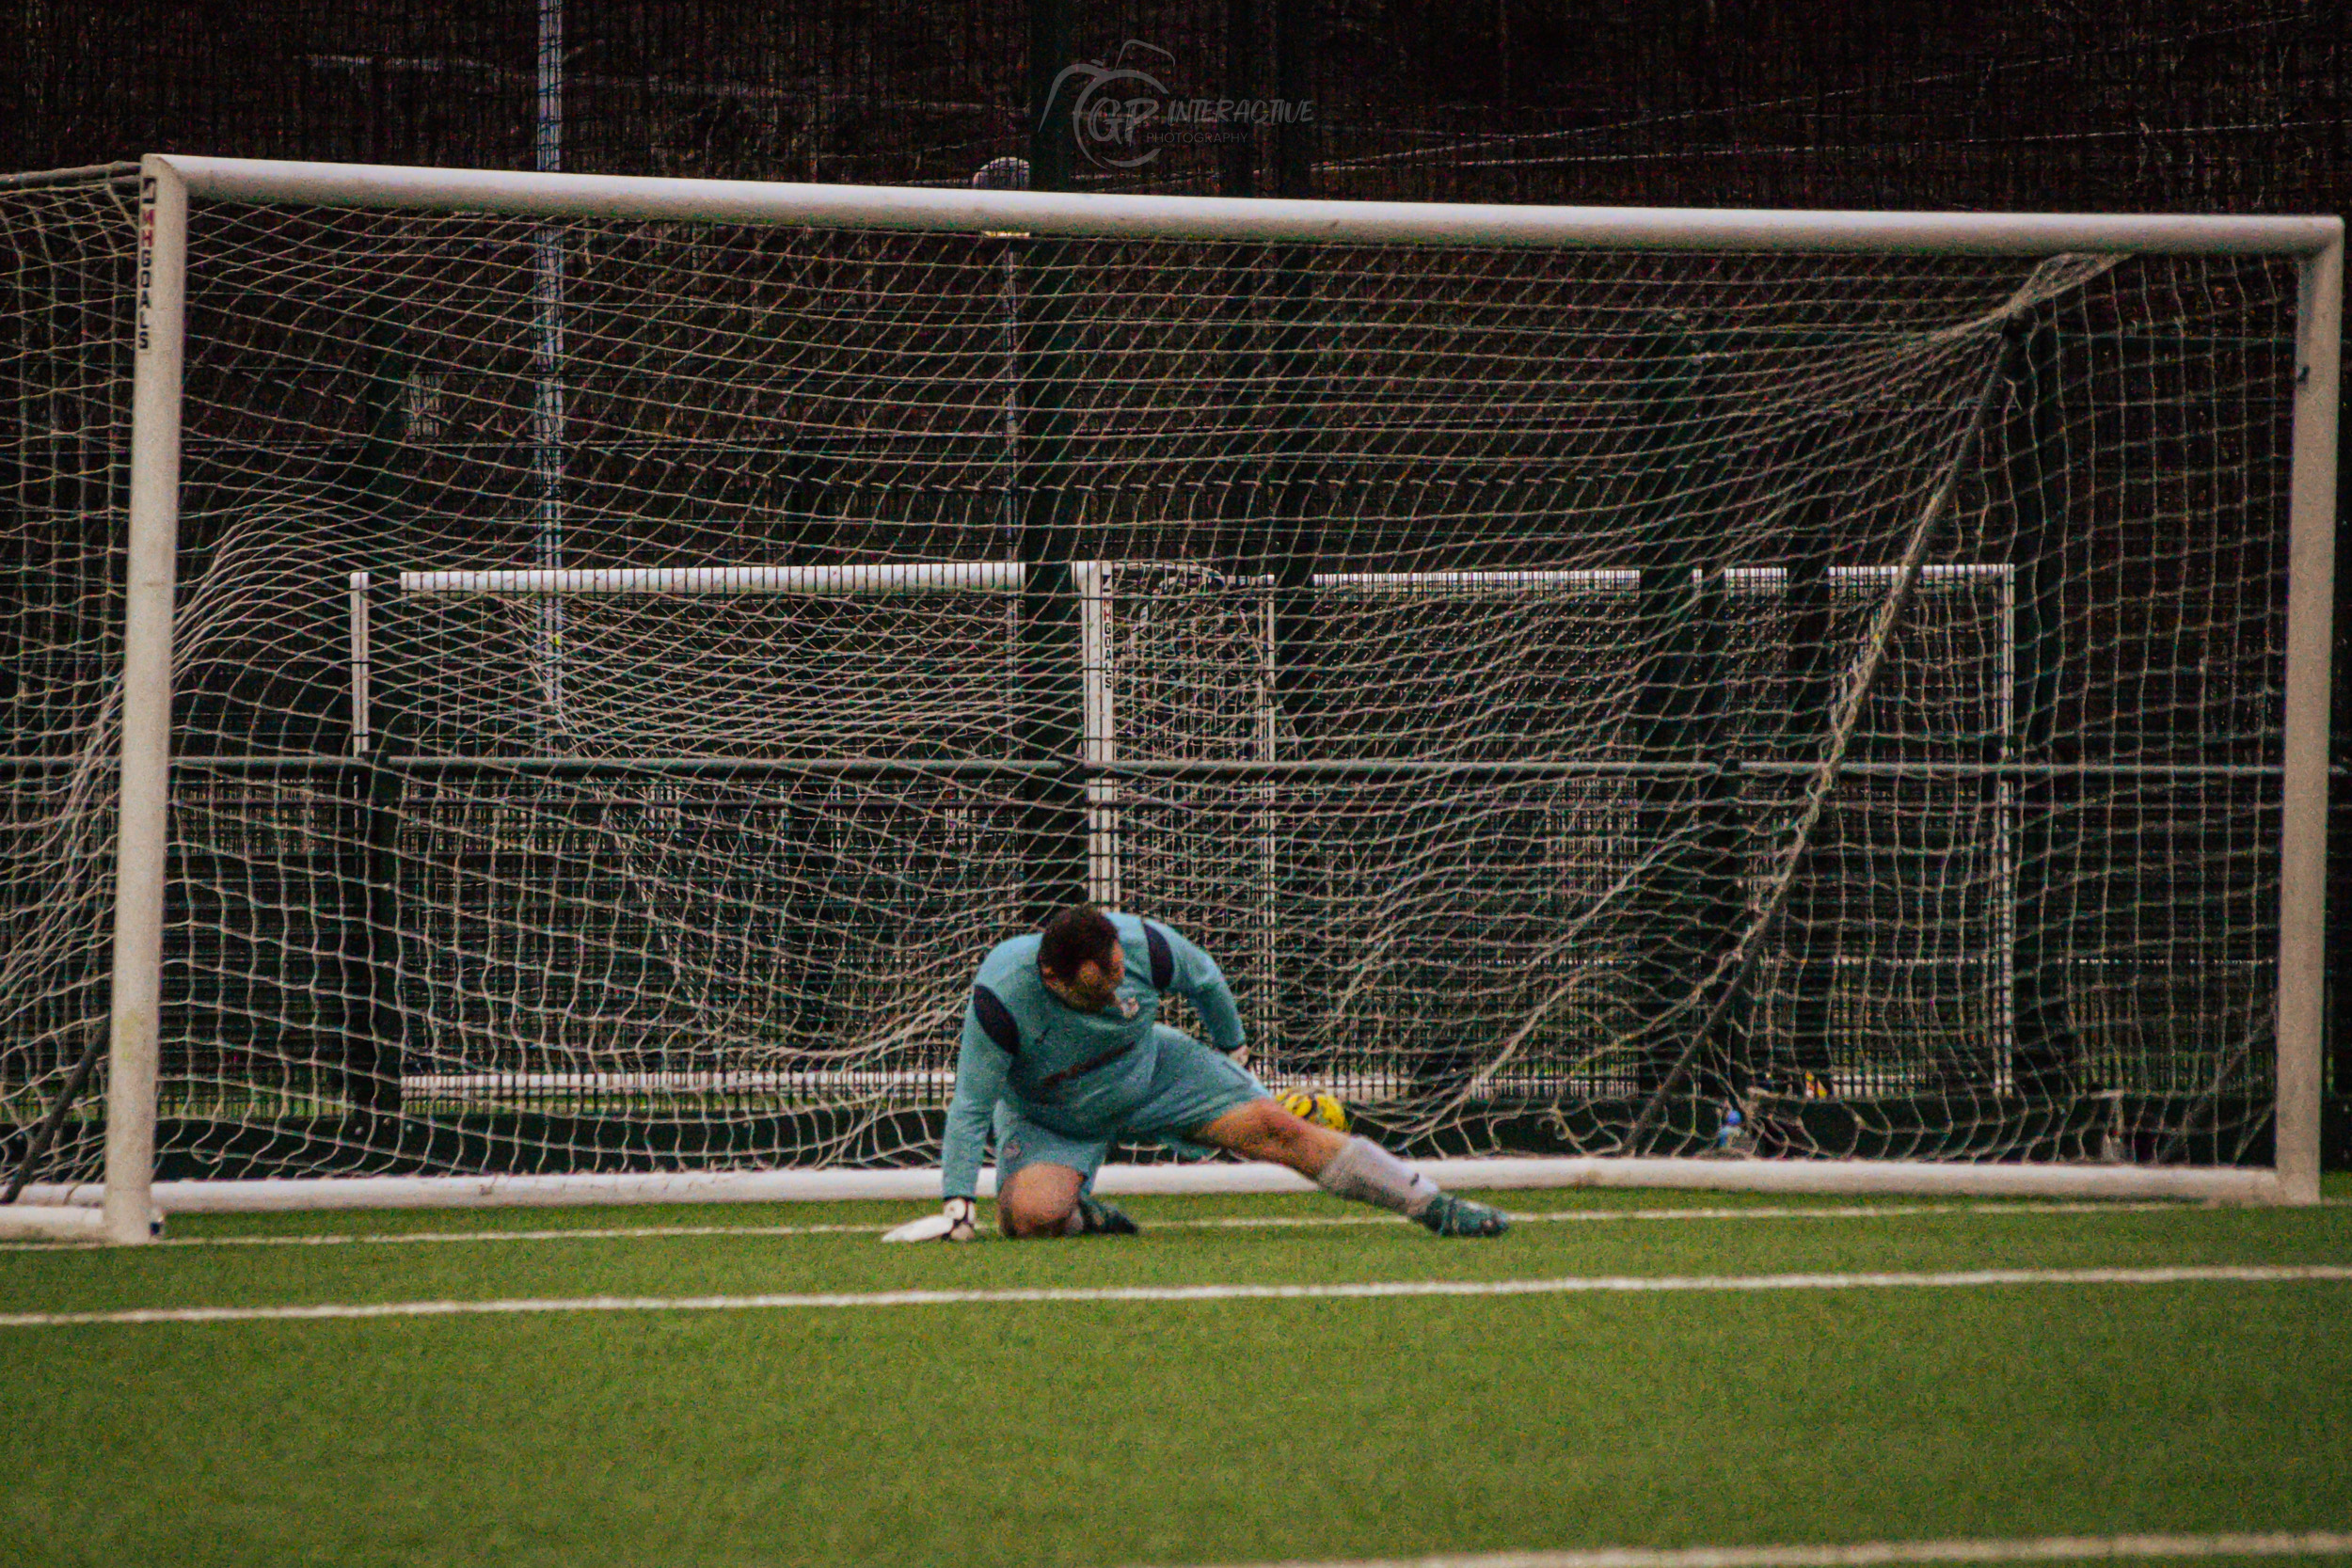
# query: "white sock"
x,y
1365,1172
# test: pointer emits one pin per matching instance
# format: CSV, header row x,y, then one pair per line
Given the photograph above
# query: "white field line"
x,y
1300,1221
1603,1284
1869,1554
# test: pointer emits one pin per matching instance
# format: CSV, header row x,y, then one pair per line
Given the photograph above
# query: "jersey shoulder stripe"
x,y
996,1020
1163,956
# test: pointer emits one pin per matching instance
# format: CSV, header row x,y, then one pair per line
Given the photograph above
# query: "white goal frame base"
x,y
68,1211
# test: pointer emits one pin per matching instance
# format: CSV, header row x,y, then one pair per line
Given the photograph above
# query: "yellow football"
x,y
1324,1110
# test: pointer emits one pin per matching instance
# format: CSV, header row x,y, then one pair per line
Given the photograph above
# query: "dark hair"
x,y
1077,934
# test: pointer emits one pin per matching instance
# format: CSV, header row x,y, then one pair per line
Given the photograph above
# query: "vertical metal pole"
x,y
378,1054
2004,796
1812,929
1267,1026
1009,298
143,845
2303,837
547,415
2047,1057
1092,581
1053,799
1660,605
1693,892
1008,174
2336,1022
1290,504
371,1047
1286,408
1239,502
1294,521
350,896
359,662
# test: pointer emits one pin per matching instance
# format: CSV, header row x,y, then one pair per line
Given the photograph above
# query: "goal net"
x,y
1752,695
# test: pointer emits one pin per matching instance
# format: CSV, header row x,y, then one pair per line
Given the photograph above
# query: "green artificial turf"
x,y
1166,1432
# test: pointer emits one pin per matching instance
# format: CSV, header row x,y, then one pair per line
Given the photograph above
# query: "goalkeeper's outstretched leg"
x,y
1047,1199
1349,1167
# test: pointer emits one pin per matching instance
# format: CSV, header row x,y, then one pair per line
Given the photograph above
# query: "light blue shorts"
x,y
1192,1085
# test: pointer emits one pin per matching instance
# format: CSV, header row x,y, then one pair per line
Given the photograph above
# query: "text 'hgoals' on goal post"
x,y
554,680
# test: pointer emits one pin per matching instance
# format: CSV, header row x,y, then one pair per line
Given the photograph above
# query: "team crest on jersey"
x,y
1129,1006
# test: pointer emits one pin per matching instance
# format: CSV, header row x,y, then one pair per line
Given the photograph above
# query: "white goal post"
x,y
1738,986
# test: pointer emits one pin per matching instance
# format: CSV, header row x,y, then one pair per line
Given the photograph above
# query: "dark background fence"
x,y
2191,106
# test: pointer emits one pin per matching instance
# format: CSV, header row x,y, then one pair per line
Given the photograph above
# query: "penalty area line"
x,y
1114,1295
1870,1553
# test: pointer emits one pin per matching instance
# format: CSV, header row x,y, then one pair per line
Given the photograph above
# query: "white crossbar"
x,y
1194,218
1004,577
926,576
684,1080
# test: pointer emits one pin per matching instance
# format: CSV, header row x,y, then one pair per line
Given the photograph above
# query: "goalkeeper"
x,y
1063,1051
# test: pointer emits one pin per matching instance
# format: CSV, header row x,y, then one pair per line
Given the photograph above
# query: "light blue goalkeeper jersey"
x,y
1078,1073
